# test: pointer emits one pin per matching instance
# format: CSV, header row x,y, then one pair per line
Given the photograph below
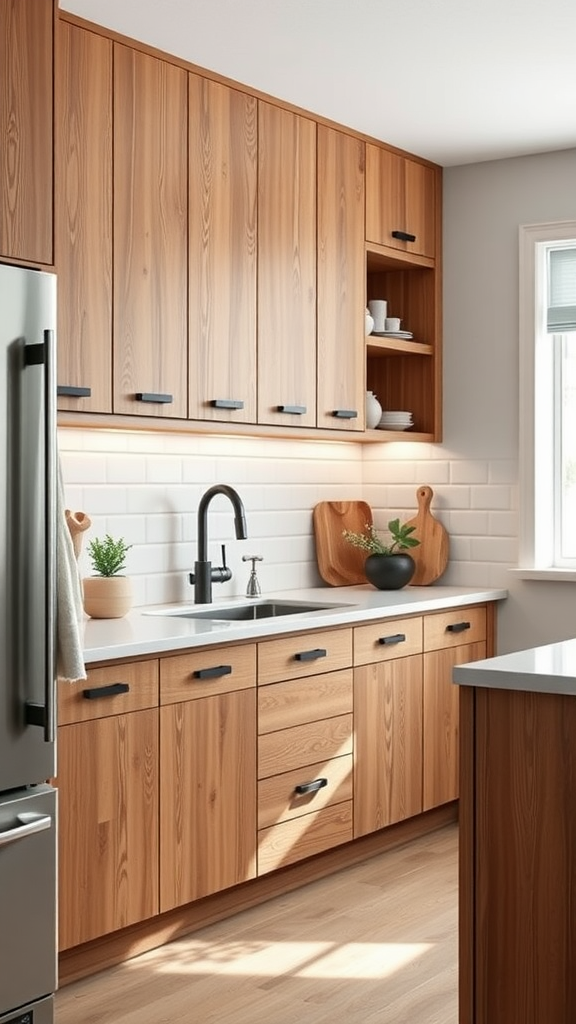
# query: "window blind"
x,y
561,314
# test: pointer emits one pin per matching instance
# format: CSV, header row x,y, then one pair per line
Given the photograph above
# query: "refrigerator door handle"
x,y
45,714
28,824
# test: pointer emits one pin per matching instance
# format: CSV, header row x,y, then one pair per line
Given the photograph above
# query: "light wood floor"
x,y
375,944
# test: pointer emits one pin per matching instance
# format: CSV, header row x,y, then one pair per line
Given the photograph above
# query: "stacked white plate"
x,y
396,420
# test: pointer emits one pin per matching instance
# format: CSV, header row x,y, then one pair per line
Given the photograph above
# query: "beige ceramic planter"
x,y
107,597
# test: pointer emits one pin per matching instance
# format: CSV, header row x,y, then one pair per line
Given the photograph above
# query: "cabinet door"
x,y
150,235
388,743
341,281
208,796
400,200
222,251
26,91
84,219
286,268
108,824
441,722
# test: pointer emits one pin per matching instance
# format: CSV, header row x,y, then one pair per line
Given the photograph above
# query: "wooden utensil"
x,y
339,563
431,555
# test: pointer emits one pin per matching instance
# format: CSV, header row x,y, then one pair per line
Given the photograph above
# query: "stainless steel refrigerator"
x,y
28,475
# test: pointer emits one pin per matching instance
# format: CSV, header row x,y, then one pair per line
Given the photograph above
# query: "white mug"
x,y
378,309
392,323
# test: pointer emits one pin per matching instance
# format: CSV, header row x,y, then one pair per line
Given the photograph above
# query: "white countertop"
x,y
140,632
547,669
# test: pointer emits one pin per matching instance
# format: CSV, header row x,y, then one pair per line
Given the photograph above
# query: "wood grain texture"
x,y
431,555
83,216
208,796
303,745
340,563
525,934
441,722
368,645
286,265
441,629
141,678
179,681
222,250
278,800
108,825
150,233
305,836
400,196
296,701
278,659
26,152
341,279
387,743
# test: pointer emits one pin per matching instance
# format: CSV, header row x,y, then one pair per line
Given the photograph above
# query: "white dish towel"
x,y
69,608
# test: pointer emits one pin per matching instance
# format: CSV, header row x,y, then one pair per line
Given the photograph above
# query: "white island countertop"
x,y
547,669
140,632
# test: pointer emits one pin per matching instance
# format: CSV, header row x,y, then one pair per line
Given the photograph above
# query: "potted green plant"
x,y
108,593
388,566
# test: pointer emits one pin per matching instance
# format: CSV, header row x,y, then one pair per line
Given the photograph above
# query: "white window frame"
x,y
536,475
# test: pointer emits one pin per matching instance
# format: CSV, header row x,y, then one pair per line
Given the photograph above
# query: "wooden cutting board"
x,y
431,555
339,563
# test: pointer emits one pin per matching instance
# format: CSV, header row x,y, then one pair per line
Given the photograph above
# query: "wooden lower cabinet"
x,y
108,824
208,796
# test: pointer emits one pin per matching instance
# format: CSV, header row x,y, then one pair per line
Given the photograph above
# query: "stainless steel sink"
x,y
246,612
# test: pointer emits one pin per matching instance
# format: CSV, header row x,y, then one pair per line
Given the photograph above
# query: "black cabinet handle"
x,y
68,391
226,403
213,673
394,638
112,690
318,652
294,410
403,236
149,396
310,787
345,414
457,627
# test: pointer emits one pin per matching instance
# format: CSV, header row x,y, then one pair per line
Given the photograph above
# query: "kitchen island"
x,y
518,837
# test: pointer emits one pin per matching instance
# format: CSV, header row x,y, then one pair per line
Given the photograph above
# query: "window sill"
x,y
556,575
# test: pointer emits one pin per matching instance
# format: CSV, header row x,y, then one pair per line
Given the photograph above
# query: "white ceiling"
x,y
456,81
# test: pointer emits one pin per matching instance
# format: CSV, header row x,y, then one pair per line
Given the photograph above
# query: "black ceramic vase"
x,y
389,572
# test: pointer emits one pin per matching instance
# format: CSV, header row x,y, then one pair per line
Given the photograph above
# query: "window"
x,y
548,401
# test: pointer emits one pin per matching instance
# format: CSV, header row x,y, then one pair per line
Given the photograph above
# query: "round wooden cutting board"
x,y
339,563
431,555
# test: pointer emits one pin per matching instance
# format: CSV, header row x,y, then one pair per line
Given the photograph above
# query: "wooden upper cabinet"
x,y
83,226
26,91
286,267
150,235
400,198
223,140
341,280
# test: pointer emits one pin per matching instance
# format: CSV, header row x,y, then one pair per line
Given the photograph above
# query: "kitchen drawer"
x,y
206,672
111,690
303,837
455,627
297,701
392,638
308,654
304,745
278,799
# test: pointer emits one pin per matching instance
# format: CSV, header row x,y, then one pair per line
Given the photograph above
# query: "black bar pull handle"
x,y
457,627
214,672
69,391
394,638
318,652
310,787
403,236
227,403
294,410
112,690
150,396
345,414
